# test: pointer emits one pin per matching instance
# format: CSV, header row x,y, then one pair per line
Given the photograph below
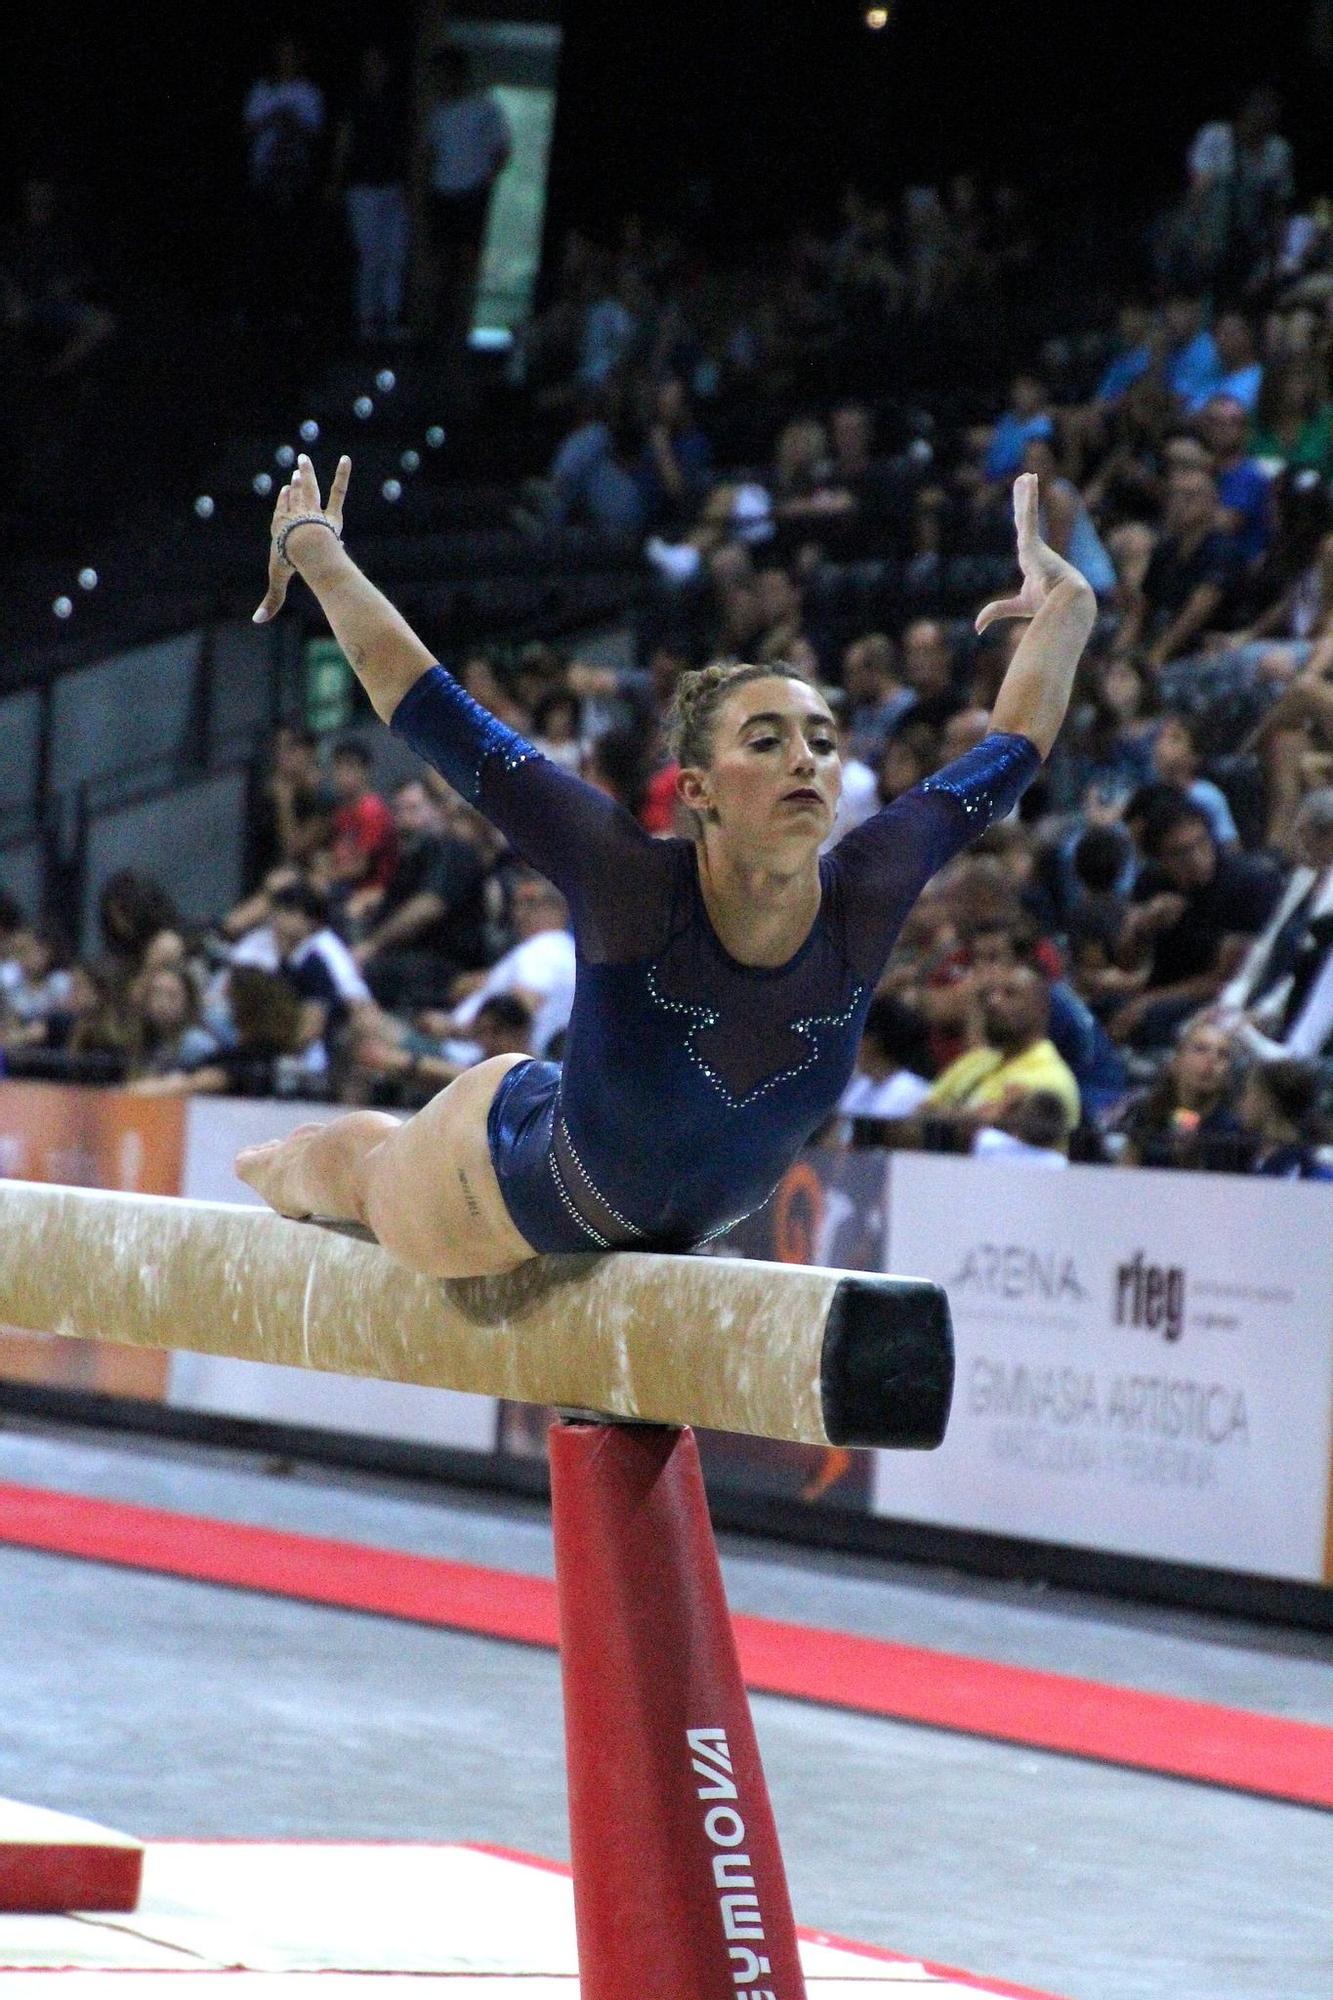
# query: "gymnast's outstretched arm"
x,y
385,653
572,832
1034,694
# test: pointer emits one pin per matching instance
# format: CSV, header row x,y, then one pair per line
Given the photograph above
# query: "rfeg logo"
x,y
733,1875
1151,1296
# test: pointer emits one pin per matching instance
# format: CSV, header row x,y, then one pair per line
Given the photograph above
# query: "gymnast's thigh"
x,y
432,1197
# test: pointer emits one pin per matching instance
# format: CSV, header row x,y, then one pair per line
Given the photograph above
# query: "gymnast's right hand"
x,y
300,496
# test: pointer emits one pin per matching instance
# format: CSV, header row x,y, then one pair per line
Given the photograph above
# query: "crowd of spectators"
x,y
1138,966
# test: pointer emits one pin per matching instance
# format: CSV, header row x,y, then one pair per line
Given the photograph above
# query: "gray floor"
x,y
173,1708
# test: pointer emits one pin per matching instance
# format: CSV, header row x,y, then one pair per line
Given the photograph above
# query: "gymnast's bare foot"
x,y
274,1171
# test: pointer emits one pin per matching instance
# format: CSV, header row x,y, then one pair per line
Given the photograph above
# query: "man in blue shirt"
x,y
1240,371
1027,416
1133,355
1244,490
1192,369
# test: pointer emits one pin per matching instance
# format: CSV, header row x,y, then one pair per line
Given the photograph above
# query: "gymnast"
x,y
722,981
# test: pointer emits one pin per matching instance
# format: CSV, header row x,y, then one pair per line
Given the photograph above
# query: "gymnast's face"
x,y
775,772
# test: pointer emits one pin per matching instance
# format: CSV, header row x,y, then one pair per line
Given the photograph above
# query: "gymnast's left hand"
x,y
1043,570
300,496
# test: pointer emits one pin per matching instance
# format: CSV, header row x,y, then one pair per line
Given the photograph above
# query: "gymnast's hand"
x,y
1043,570
300,496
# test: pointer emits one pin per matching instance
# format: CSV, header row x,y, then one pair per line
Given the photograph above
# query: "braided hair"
x,y
701,693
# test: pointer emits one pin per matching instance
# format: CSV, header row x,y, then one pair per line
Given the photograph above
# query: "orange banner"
x,y
88,1138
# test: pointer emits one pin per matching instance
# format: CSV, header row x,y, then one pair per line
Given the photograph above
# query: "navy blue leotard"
x,y
690,1081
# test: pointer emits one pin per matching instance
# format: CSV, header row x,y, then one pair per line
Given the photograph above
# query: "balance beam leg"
x,y
679,1887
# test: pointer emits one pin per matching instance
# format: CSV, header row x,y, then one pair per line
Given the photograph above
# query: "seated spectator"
x,y
1190,576
261,1059
997,944
801,485
133,910
1244,490
37,987
855,470
910,755
1292,591
1176,761
963,732
557,728
291,819
889,1079
168,1031
1014,1057
1066,522
592,478
1179,1120
1097,902
1132,356
1294,745
538,969
1192,369
611,321
1033,1133
502,1026
1240,371
1195,910
1105,753
859,797
364,839
1279,1108
1293,422
928,669
95,1023
676,462
781,636
317,965
878,697
617,764
427,924
1285,985
1027,416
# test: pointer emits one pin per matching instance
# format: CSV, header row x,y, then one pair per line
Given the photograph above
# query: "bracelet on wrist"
x,y
301,521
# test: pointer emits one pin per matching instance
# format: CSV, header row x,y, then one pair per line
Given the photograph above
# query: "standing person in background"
x,y
370,170
467,147
284,121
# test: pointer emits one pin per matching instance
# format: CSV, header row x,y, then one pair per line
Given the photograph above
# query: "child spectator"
x,y
1280,1109
1179,1119
168,1032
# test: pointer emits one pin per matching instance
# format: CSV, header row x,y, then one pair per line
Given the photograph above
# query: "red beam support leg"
x,y
679,1889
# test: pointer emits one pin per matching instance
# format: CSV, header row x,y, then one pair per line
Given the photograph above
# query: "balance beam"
x,y
782,1351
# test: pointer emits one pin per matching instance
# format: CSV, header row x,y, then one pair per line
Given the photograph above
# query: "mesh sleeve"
x,y
885,863
585,843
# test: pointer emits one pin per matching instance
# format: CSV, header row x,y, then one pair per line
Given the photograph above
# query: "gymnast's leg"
x,y
424,1186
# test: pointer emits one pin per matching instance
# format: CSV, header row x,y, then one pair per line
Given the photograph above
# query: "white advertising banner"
x,y
216,1130
1145,1360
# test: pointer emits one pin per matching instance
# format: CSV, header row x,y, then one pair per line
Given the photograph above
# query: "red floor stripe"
x,y
1236,1748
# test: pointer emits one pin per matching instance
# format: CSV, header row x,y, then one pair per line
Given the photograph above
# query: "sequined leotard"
x,y
690,1081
